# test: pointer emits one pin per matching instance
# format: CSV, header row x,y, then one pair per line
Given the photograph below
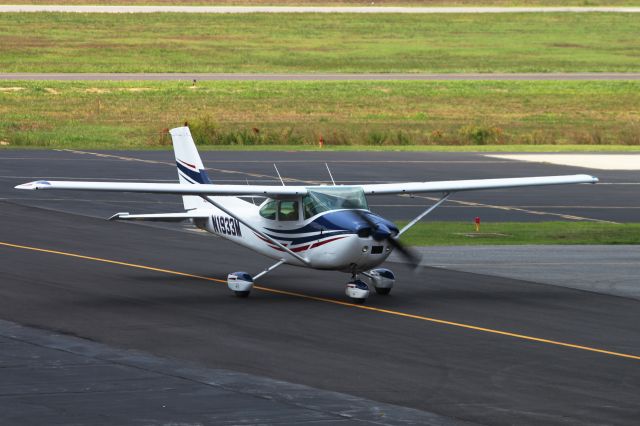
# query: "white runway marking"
x,y
420,206
311,9
88,178
516,209
364,161
90,200
464,203
124,158
411,206
589,161
48,158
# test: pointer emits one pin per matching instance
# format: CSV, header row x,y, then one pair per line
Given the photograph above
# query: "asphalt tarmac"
x,y
614,199
457,345
55,379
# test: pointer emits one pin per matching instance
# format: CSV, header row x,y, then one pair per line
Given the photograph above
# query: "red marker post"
x,y
477,223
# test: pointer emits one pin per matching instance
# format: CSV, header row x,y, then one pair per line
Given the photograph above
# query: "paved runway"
x,y
463,346
582,76
612,200
313,9
56,379
607,269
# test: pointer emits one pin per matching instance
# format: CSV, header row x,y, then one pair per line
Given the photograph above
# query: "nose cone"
x,y
376,226
381,232
384,224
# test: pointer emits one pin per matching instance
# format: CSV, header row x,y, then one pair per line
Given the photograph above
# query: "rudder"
x,y
190,167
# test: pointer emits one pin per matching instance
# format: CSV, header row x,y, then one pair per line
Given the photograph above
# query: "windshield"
x,y
333,198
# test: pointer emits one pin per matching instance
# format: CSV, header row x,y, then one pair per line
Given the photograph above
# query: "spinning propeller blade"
x,y
410,255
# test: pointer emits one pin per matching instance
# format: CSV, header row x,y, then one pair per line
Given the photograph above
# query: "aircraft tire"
x,y
383,291
242,293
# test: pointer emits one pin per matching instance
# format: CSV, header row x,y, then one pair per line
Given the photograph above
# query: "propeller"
x,y
380,232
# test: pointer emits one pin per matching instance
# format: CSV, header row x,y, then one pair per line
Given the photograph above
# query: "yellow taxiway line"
x,y
335,302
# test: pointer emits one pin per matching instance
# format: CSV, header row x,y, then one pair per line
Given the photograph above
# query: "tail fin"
x,y
190,167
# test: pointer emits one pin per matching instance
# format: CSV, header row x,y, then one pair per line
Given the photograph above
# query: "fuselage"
x,y
336,239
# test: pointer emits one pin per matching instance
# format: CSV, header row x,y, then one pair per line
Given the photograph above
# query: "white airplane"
x,y
319,226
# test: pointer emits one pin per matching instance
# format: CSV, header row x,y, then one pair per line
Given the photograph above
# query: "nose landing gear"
x,y
357,290
382,280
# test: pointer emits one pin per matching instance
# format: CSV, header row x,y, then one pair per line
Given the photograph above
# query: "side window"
x,y
268,211
309,207
288,210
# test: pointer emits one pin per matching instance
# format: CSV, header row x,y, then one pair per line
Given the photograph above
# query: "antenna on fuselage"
x,y
252,199
276,167
330,175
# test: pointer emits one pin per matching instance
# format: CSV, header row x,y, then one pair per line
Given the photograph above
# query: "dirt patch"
x,y
11,89
481,234
96,90
566,45
15,43
138,89
52,91
4,143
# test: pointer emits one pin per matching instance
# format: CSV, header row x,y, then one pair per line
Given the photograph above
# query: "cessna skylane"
x,y
327,227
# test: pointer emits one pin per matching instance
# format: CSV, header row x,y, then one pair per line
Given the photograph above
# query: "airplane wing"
x,y
168,188
473,185
275,191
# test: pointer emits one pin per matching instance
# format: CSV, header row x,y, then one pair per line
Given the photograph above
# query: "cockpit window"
x,y
333,198
288,210
268,211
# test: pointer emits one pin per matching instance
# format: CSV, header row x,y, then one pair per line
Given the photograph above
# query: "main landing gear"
x,y
241,283
382,280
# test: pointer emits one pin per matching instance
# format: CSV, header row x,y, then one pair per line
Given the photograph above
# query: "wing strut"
x,y
254,229
269,269
424,213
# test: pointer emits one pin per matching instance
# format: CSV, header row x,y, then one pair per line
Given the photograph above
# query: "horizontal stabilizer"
x,y
162,217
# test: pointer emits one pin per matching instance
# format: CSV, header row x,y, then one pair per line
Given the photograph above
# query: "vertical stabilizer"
x,y
190,167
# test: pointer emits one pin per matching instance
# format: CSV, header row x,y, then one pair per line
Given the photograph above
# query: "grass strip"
x,y
405,115
166,42
449,3
518,233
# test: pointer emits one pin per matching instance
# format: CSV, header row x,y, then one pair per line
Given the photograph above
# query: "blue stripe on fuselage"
x,y
301,240
199,176
329,224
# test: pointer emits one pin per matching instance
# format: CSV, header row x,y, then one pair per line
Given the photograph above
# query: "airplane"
x,y
325,227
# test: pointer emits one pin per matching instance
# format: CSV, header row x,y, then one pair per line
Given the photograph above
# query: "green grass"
x,y
66,42
340,2
515,233
462,115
